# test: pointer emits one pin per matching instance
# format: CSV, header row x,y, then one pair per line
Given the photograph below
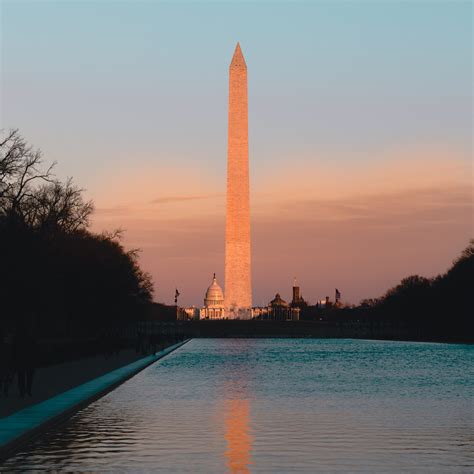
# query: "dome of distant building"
x,y
277,310
214,294
278,301
213,302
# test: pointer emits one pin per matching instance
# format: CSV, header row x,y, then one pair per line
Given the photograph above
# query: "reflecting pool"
x,y
277,405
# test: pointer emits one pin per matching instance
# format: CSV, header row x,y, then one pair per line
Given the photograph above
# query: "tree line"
x,y
55,273
59,276
443,303
439,308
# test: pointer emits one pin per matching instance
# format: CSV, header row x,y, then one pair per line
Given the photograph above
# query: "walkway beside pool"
x,y
20,426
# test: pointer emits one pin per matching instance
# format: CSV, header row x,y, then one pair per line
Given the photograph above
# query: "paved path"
x,y
55,379
15,428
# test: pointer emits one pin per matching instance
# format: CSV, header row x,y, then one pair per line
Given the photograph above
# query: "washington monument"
x,y
238,286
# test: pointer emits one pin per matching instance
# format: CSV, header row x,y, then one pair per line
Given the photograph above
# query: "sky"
x,y
360,132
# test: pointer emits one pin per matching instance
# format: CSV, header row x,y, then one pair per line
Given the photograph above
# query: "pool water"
x,y
277,405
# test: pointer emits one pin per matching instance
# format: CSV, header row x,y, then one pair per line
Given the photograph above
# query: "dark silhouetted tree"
x,y
53,270
441,307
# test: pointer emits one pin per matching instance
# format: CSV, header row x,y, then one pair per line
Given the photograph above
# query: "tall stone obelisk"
x,y
238,286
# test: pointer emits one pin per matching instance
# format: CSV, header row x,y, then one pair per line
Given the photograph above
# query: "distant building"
x,y
297,301
214,306
277,310
191,313
325,303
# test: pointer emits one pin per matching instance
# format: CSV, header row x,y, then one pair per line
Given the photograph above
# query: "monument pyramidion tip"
x,y
238,60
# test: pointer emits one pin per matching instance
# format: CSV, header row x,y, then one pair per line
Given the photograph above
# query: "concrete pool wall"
x,y
25,424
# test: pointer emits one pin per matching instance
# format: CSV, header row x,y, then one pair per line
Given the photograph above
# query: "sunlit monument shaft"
x,y
238,287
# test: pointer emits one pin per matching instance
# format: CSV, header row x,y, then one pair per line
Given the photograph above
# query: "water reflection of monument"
x,y
238,436
234,416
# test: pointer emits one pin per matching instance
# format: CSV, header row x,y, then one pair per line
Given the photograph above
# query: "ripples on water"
x,y
277,405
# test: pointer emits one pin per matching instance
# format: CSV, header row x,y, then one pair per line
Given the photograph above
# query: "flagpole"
x,y
176,294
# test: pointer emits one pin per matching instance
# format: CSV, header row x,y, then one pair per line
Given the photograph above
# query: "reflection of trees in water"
x,y
90,433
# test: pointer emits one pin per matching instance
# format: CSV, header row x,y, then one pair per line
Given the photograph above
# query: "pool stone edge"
x,y
16,442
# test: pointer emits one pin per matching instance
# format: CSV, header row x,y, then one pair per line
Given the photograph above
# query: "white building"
x,y
213,302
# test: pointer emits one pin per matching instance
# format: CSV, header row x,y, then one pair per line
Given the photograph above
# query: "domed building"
x,y
277,310
278,302
213,302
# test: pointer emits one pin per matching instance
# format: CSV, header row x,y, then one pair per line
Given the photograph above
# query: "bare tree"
x,y
20,169
56,207
33,195
49,259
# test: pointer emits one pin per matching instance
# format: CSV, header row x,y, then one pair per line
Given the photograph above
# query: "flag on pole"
x,y
338,295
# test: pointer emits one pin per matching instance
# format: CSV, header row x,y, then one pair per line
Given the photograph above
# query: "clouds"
x,y
172,199
360,140
438,204
363,244
361,228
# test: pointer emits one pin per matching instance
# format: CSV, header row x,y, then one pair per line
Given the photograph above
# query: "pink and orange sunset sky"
x,y
360,132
